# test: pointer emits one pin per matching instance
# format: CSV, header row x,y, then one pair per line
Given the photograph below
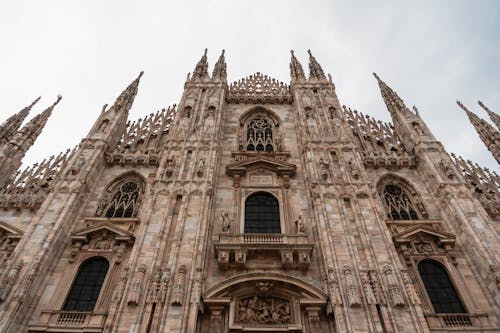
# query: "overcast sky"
x,y
431,52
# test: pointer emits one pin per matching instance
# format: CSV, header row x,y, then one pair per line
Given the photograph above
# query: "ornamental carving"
x,y
259,88
263,310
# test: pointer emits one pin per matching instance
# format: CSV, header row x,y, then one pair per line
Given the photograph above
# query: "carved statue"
x,y
264,310
200,167
300,227
324,166
226,221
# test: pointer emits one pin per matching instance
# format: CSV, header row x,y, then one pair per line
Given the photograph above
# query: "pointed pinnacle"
x,y
462,106
493,116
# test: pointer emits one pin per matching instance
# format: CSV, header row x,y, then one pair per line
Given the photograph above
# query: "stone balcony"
x,y
68,321
235,250
464,322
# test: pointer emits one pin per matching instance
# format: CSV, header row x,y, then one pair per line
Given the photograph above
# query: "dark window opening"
x,y
262,214
87,285
439,287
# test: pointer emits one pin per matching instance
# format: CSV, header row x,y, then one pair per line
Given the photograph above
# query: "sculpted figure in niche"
x,y
300,227
200,167
324,167
226,221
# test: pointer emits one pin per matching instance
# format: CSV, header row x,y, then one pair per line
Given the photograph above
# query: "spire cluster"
x,y
316,72
488,134
200,72
9,127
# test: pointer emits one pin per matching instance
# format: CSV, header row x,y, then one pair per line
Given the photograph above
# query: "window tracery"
x,y
124,202
399,204
260,135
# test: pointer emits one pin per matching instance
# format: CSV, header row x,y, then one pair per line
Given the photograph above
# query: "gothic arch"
x,y
255,302
391,185
259,110
111,203
228,286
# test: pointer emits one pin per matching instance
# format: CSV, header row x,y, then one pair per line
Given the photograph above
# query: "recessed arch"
x,y
229,285
122,196
257,111
400,199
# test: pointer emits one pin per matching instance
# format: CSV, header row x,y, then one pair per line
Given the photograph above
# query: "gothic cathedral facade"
x,y
251,207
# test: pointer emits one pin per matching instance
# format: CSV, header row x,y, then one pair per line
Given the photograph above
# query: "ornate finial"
x,y
9,127
393,102
462,106
493,116
315,70
488,134
296,71
219,71
201,69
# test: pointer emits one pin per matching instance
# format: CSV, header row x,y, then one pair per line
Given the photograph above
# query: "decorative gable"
x,y
259,88
101,237
261,164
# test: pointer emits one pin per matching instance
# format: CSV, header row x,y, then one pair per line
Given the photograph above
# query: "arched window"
x,y
262,214
260,135
440,290
87,285
125,201
399,204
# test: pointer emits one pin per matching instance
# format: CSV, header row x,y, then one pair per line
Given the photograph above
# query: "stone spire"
x,y
488,134
393,102
126,98
12,124
220,71
315,70
296,71
34,127
493,116
12,153
201,69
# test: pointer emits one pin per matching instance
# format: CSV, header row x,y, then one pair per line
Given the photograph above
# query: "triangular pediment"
x,y
10,230
118,233
260,162
417,231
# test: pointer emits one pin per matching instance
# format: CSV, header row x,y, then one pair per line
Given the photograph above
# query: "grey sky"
x,y
430,52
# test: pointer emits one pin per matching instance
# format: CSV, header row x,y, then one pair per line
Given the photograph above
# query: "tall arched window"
x,y
399,204
125,201
87,285
262,214
260,135
440,290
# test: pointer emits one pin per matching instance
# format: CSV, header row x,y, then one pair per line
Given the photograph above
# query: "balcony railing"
x,y
68,321
458,320
232,250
